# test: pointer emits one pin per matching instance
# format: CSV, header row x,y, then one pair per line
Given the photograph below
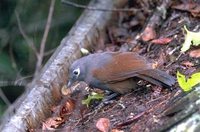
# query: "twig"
x,y
98,9
17,82
43,42
4,98
21,82
14,65
28,40
156,99
49,52
177,58
13,83
130,121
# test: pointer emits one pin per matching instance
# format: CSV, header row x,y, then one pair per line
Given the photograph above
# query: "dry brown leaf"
x,y
71,106
155,65
116,130
67,107
136,128
52,123
46,127
162,41
54,109
188,64
103,124
195,53
193,8
148,34
65,90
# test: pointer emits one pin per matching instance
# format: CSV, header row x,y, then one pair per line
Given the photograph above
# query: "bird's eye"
x,y
76,72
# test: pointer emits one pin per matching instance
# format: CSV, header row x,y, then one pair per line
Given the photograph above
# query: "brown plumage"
x,y
116,71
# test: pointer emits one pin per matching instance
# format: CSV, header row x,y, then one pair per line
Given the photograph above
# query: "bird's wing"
x,y
121,66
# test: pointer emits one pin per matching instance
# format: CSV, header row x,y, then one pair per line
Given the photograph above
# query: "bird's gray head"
x,y
77,71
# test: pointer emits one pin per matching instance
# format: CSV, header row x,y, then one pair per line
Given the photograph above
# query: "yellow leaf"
x,y
194,79
191,38
188,83
93,96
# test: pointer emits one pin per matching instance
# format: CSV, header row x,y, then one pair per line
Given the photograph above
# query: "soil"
x,y
142,109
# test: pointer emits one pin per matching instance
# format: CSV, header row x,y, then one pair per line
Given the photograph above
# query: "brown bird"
x,y
116,71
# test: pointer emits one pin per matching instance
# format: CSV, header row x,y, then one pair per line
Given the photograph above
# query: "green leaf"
x,y
191,38
188,83
93,96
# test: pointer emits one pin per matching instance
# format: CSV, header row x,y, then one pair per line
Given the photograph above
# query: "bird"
x,y
116,72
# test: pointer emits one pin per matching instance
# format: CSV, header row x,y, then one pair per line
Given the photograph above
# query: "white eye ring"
x,y
76,72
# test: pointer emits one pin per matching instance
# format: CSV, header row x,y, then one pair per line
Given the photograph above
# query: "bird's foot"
x,y
110,97
107,100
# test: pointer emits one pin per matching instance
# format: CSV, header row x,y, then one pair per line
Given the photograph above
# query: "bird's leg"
x,y
107,100
110,97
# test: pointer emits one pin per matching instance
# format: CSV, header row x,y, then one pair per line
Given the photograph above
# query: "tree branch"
x,y
43,42
99,9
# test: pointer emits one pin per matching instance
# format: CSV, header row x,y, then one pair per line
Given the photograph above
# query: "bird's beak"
x,y
69,83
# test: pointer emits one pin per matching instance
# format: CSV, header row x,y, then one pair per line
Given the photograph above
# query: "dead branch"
x,y
43,42
4,98
99,9
49,52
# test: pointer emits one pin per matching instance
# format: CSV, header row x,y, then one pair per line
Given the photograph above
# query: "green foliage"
x,y
6,67
188,83
23,55
93,96
2,107
33,17
191,38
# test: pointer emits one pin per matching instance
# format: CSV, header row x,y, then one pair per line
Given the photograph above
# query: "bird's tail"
x,y
157,77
